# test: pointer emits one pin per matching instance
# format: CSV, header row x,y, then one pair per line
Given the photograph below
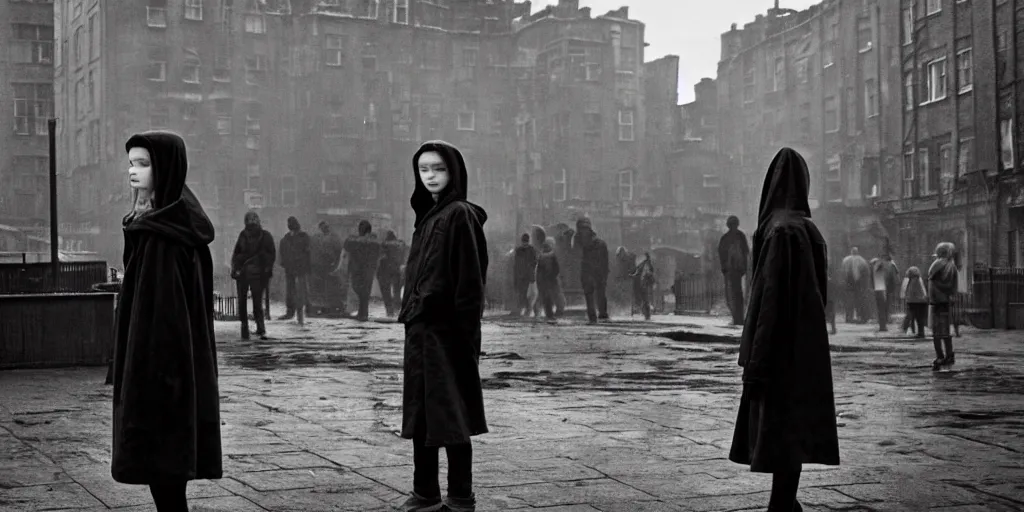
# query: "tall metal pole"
x,y
54,261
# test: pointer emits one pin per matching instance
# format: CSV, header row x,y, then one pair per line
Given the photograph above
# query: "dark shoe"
x,y
937,364
950,360
245,337
797,507
417,503
454,504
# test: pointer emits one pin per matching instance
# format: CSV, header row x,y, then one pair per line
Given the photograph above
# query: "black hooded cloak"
x,y
166,405
445,279
787,414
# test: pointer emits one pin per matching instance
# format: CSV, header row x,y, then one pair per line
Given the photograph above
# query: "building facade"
x,y
814,80
26,68
314,108
955,163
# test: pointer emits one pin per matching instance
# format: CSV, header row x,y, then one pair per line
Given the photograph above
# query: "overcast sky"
x,y
690,29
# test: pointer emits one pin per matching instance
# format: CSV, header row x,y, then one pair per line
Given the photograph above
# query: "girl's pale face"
x,y
433,172
140,172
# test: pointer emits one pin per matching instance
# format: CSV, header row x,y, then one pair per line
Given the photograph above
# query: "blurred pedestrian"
x,y
643,276
524,273
787,413
296,259
914,293
252,265
363,251
389,272
442,396
733,255
593,270
942,288
166,410
547,279
856,279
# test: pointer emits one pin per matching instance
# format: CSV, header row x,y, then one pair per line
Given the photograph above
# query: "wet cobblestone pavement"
x,y
619,417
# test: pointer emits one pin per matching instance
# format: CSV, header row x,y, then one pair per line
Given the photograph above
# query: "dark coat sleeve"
x,y
269,253
238,256
468,260
771,311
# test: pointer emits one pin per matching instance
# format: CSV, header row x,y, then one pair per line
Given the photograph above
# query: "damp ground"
x,y
628,415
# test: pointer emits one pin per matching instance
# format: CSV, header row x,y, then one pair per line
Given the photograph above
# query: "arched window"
x,y
79,48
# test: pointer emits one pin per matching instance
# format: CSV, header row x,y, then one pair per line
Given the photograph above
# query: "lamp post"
x,y
51,125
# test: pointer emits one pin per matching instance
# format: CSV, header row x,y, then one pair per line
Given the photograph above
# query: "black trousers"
x,y
882,307
917,316
425,472
390,282
256,285
169,497
547,291
734,292
594,291
522,297
362,286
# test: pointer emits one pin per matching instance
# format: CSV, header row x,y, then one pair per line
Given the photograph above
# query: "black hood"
x,y
422,202
786,186
390,236
176,212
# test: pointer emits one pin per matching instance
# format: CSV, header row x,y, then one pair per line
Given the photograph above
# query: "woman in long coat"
x,y
787,414
166,428
442,398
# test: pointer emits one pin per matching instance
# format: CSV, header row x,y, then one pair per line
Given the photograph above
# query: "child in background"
x,y
916,296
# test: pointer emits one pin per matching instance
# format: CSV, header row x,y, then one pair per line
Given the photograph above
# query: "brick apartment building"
x,y
812,80
26,68
955,164
314,109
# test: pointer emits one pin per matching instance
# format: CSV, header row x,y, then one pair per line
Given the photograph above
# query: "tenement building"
x,y
813,80
954,168
26,87
314,108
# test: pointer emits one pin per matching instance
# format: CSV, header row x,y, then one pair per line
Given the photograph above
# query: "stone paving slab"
x,y
624,416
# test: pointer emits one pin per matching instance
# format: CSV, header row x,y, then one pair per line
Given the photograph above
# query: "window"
x,y
947,174
255,23
33,106
369,9
81,100
831,114
870,98
935,81
908,26
964,71
223,108
592,122
221,66
1006,143
32,44
94,141
334,124
779,75
289,195
865,34
924,172
156,14
370,181
801,71
469,57
626,185
78,48
92,101
252,126
400,12
94,32
190,111
334,47
156,71
370,120
561,189
194,10
908,173
369,58
908,91
1002,41
76,9
828,50
330,185
748,84
965,157
711,181
626,126
933,6
466,120
190,68
255,68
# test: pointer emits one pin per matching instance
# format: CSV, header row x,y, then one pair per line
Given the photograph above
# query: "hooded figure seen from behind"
x,y
442,397
166,425
363,252
594,269
787,414
389,272
733,254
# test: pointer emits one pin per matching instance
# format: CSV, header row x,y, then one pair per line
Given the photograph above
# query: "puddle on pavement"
x,y
268,355
658,380
955,419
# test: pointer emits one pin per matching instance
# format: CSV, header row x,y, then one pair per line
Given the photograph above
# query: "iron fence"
x,y
73,277
999,298
699,292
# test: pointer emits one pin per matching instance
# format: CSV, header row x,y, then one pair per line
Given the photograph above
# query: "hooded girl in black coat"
x,y
166,428
787,414
442,398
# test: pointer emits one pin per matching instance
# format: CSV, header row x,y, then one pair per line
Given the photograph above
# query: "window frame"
x,y
631,125
628,185
968,87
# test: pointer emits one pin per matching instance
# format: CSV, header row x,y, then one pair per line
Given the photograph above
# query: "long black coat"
x,y
442,398
787,414
166,404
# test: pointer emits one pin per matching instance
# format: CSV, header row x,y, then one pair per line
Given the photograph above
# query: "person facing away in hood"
x,y
593,269
943,278
787,414
445,279
733,254
363,250
524,272
389,272
252,266
166,421
296,259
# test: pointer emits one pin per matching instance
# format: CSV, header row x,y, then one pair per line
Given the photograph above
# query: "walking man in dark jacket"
x,y
296,260
593,270
442,396
733,254
524,272
787,413
363,256
547,279
252,265
389,273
